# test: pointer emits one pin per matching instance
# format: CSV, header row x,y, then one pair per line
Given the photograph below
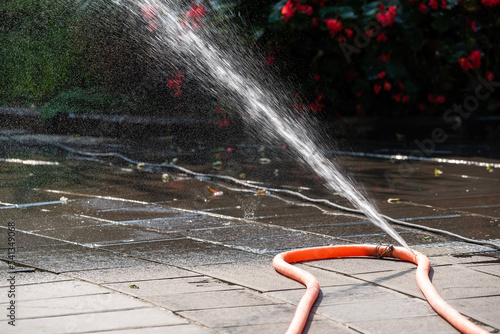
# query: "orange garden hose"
x,y
282,264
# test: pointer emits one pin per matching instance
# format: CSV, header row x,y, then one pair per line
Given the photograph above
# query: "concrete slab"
x,y
27,240
35,277
492,269
144,318
261,276
358,265
177,329
61,258
185,252
172,286
341,294
141,272
57,289
179,302
67,305
413,325
243,316
275,244
484,309
183,224
451,282
376,310
316,325
105,234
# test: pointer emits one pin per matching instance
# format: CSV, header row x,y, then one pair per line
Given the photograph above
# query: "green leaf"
x,y
396,69
371,8
441,23
414,38
345,12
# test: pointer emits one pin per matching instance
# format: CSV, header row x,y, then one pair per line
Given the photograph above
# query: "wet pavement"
x,y
103,245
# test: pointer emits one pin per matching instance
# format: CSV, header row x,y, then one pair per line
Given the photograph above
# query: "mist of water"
x,y
265,103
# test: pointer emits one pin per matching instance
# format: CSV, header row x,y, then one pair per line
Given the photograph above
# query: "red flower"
x,y
405,99
489,76
269,60
465,63
178,93
377,88
433,4
490,3
218,110
348,32
195,14
387,19
334,26
150,14
316,106
359,94
174,84
473,26
396,97
387,86
437,99
308,10
444,4
422,8
288,10
381,75
385,57
223,122
381,37
197,11
316,77
475,58
369,33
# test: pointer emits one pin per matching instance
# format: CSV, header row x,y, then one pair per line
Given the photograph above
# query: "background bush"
x,y
388,58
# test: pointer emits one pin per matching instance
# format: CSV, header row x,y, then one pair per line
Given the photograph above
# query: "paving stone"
x,y
413,325
314,219
174,329
50,217
484,309
493,269
61,258
25,240
315,325
67,305
451,282
341,294
143,271
143,318
357,265
470,260
233,232
186,252
105,234
261,275
183,224
376,310
276,244
210,300
242,316
56,289
172,286
36,277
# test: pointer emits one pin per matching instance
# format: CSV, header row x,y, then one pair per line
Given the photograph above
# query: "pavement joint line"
x,y
61,297
244,220
82,313
93,196
27,205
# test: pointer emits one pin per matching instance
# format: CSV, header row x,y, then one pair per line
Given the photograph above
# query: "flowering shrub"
x,y
392,57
